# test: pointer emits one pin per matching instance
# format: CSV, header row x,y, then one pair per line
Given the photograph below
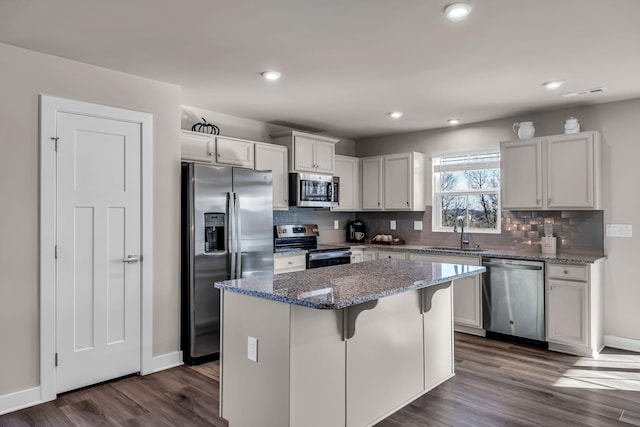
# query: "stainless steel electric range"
x,y
305,237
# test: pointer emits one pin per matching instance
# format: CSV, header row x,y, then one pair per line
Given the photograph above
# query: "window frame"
x,y
437,168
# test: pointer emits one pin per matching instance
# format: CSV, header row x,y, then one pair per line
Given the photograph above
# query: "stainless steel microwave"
x,y
313,190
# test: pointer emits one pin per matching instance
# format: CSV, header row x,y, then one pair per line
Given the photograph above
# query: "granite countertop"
x,y
344,285
565,257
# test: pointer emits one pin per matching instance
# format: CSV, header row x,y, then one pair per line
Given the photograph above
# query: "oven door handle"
x,y
329,255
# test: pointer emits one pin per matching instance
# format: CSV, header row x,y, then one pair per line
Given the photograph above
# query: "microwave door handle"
x,y
236,210
231,236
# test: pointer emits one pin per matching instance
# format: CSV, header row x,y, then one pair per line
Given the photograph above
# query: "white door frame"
x,y
49,106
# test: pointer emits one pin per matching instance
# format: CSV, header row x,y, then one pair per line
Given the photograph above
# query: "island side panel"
x,y
438,334
317,368
254,393
385,361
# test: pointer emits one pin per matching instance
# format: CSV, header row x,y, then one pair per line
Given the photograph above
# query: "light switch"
x,y
252,349
336,224
392,224
417,225
619,230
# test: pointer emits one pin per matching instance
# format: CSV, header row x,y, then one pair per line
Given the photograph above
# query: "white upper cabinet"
x,y
348,170
372,183
196,146
215,149
573,171
234,152
521,174
552,172
308,152
393,182
404,182
274,158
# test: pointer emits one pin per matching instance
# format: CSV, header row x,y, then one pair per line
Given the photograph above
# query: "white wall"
x,y
619,124
23,75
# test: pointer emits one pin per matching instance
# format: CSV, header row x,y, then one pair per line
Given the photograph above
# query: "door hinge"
x,y
56,359
55,140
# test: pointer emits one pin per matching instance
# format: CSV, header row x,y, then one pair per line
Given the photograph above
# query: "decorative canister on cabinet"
x,y
572,125
524,130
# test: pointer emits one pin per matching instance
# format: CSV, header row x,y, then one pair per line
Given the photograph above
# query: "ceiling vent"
x,y
584,92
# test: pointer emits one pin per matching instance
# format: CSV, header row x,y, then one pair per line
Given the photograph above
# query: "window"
x,y
467,186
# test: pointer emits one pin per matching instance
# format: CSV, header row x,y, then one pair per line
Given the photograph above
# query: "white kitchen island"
x,y
336,346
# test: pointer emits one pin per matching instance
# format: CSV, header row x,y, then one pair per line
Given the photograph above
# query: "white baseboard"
x,y
622,343
166,361
19,400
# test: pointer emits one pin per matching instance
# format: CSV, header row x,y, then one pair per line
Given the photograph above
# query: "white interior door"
x,y
98,238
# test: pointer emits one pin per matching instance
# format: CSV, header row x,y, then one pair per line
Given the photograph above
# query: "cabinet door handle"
x,y
538,201
378,203
407,203
549,200
131,259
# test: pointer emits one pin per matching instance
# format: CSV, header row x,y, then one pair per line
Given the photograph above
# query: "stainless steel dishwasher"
x,y
513,298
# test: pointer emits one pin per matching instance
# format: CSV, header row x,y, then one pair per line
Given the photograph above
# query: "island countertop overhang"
x,y
345,285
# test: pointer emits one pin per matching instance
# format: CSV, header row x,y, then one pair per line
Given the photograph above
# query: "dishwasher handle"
x,y
513,266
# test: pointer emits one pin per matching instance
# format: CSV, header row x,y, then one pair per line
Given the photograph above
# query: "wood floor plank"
x,y
497,384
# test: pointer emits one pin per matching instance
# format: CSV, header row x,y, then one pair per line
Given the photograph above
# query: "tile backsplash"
x,y
521,230
323,217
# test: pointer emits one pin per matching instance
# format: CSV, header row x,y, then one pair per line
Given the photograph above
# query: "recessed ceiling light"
x,y
457,11
552,85
396,114
271,75
453,122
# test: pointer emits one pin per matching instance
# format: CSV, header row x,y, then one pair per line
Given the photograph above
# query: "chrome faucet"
x,y
463,242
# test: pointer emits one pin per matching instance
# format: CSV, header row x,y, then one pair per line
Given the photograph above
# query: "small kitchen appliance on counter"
x,y
548,243
305,237
356,231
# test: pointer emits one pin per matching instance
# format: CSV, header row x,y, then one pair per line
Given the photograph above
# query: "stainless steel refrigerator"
x,y
227,233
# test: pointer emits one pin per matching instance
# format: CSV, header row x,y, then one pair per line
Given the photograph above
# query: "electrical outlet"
x,y
252,349
336,224
619,230
392,224
417,225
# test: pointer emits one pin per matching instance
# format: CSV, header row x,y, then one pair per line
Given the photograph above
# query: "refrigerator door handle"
x,y
238,236
231,233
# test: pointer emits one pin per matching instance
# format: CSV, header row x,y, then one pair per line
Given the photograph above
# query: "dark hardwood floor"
x,y
496,384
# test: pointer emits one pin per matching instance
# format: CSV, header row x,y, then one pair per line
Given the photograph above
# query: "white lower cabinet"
x,y
357,255
467,293
370,254
574,306
289,263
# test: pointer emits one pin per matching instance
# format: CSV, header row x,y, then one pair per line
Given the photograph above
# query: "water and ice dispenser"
x,y
214,236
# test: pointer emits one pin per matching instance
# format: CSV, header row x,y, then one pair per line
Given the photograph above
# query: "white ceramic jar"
x,y
572,125
524,130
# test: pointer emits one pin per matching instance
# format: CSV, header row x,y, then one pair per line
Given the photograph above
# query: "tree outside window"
x,y
467,185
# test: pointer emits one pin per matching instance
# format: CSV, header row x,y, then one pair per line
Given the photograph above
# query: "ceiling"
x,y
346,63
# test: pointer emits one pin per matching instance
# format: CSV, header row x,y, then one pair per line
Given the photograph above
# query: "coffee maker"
x,y
356,231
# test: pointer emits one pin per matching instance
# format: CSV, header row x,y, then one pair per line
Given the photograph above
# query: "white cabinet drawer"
x,y
567,271
391,255
287,264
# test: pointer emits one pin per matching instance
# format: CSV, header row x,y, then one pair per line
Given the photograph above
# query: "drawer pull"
x,y
566,272
290,263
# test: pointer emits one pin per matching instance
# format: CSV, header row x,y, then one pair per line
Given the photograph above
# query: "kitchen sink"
x,y
449,248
